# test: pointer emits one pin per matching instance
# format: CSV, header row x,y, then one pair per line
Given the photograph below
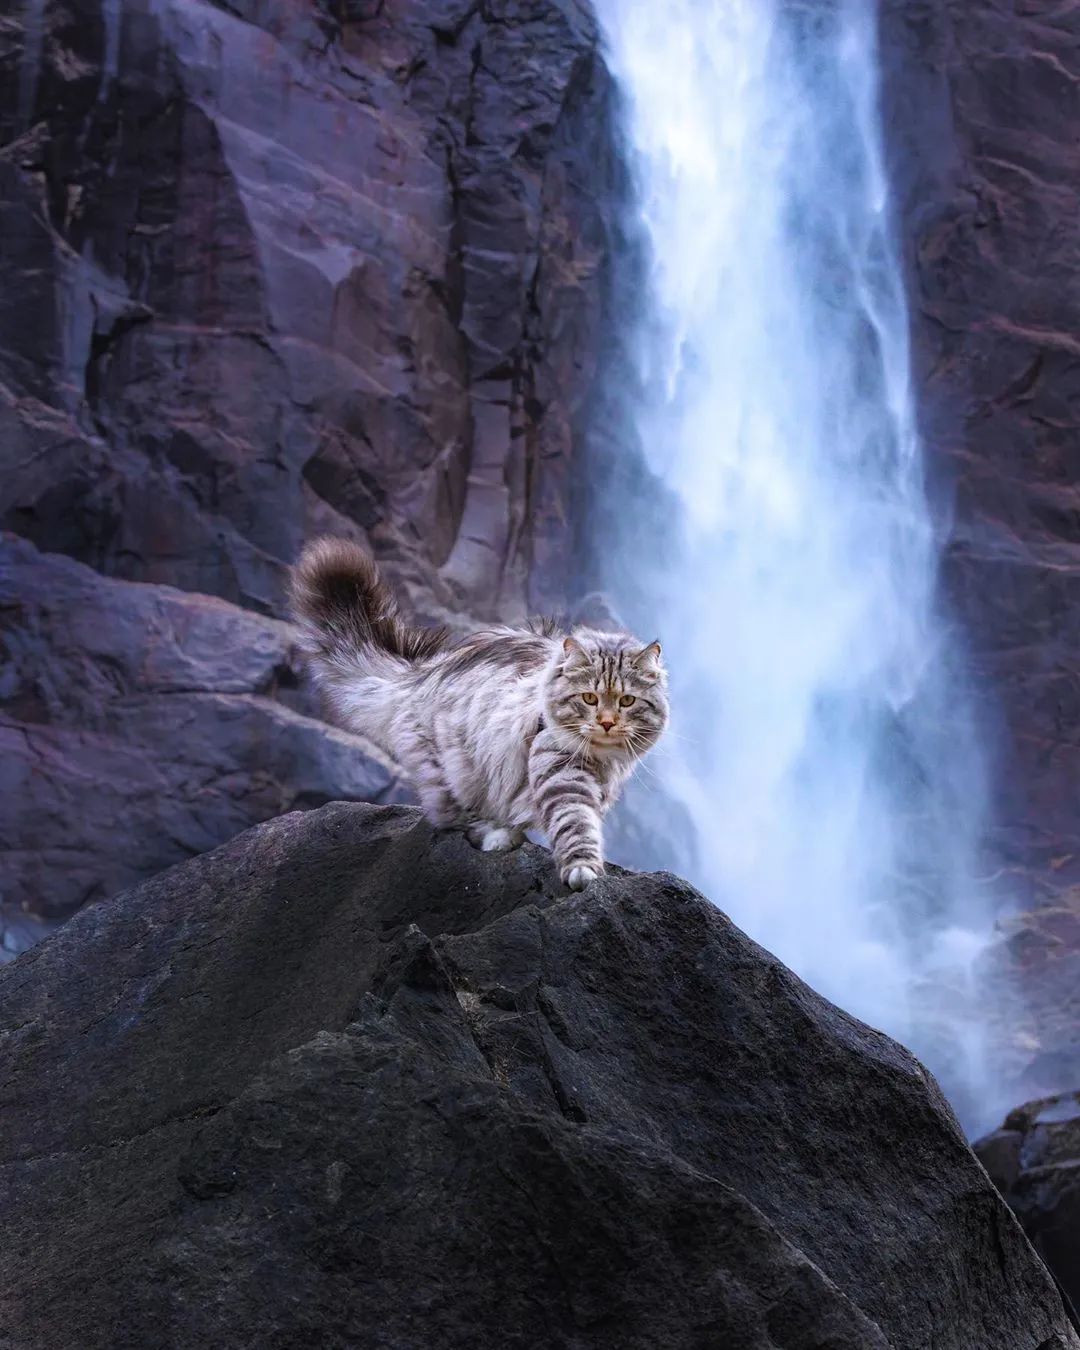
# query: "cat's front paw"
x,y
579,876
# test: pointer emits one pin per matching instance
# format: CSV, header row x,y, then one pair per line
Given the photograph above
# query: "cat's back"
x,y
486,706
500,655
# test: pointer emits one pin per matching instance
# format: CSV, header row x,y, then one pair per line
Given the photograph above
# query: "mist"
x,y
779,536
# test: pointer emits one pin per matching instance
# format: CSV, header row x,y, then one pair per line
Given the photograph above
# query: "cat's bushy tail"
x,y
348,615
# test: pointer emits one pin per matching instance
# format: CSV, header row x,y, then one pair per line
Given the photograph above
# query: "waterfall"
x,y
779,537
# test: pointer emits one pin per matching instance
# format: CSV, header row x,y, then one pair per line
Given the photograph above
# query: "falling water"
x,y
821,748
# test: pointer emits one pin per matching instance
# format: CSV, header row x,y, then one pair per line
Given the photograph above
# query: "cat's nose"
x,y
606,722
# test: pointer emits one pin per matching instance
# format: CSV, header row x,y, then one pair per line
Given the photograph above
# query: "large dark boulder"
x,y
347,1083
1034,1160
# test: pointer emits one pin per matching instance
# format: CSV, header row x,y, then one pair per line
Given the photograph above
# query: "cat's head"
x,y
609,690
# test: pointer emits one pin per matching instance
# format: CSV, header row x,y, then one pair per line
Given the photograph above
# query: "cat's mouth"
x,y
615,739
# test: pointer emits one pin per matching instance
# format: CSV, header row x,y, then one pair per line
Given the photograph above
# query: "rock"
x,y
979,102
1037,1037
346,1082
268,270
1034,1160
140,726
274,268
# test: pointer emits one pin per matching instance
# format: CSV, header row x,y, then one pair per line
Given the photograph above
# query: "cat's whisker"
x,y
641,767
662,751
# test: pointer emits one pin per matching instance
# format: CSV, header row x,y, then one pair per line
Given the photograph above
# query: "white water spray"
x,y
820,747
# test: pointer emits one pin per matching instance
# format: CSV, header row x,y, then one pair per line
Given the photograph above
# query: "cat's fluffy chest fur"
x,y
501,732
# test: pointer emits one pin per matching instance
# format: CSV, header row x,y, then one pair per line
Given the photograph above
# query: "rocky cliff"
x,y
268,269
980,114
347,1083
274,268
980,118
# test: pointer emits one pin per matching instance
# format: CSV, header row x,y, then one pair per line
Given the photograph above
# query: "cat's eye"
x,y
627,700
590,699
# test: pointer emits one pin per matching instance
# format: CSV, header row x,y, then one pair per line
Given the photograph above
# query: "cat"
x,y
500,731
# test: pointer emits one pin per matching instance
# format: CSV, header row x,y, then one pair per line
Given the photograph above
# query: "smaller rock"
x,y
18,932
140,726
1034,1161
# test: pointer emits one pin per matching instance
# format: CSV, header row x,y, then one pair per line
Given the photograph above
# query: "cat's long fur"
x,y
501,731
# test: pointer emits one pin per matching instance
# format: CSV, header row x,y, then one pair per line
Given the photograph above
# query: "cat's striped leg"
x,y
439,804
567,800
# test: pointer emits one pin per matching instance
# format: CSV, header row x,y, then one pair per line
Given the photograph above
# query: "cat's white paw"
x,y
492,838
577,878
499,841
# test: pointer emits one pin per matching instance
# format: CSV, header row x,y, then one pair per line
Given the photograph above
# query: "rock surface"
x,y
1037,954
1034,1160
347,1083
140,726
980,111
277,267
268,269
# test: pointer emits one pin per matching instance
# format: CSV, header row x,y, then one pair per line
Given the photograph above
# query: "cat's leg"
x,y
568,803
439,806
489,838
432,787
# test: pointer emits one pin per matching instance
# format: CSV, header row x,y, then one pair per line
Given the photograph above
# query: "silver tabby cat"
x,y
501,731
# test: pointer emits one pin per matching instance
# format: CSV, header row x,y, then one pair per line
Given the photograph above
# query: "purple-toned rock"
x,y
277,268
981,103
1037,1031
269,269
140,726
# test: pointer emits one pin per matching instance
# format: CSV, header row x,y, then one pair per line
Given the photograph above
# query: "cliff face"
x,y
269,269
345,1082
274,268
981,124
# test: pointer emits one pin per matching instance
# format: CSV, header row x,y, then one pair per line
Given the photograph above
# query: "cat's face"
x,y
610,691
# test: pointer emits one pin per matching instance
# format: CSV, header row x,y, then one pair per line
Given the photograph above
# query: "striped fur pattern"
x,y
503,731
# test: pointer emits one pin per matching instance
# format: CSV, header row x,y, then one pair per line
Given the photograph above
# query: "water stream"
x,y
822,749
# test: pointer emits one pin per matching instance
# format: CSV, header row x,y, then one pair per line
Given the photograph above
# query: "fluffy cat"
x,y
500,731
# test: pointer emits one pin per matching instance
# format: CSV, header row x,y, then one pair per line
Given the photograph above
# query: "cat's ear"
x,y
648,657
574,652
